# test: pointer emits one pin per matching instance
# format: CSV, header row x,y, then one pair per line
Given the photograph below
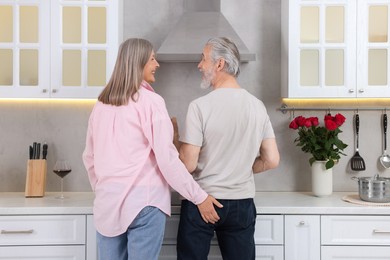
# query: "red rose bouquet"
x,y
321,141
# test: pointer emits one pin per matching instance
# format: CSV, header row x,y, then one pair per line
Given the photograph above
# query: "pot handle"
x,y
355,178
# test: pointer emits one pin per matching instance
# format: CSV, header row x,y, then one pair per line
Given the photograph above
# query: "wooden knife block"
x,y
36,178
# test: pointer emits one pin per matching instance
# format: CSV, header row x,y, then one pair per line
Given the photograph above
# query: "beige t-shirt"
x,y
229,124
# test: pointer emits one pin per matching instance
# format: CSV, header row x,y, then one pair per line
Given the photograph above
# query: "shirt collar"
x,y
147,86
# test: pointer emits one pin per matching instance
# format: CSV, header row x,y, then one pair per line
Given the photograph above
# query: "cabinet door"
x,y
269,230
24,48
91,247
43,252
84,44
354,252
302,237
373,48
269,253
60,49
319,46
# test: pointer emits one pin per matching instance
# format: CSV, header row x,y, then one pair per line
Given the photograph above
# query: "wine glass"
x,y
62,168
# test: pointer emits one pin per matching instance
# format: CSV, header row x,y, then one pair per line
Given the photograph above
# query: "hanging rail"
x,y
284,109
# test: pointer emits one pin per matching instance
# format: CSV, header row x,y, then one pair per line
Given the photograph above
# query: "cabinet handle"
x,y
351,90
54,91
5,232
302,223
361,90
378,231
44,90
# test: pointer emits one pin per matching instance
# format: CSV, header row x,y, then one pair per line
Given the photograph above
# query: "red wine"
x,y
62,173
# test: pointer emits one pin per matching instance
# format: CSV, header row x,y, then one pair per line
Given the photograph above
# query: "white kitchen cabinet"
x,y
269,237
43,252
302,237
91,248
44,236
57,49
352,237
355,230
324,55
355,252
347,231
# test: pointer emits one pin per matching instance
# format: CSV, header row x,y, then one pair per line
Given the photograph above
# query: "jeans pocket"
x,y
246,213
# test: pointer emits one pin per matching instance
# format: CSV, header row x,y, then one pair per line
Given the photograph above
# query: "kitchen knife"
x,y
31,152
44,151
38,151
34,150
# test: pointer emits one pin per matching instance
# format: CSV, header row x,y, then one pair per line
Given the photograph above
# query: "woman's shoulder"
x,y
150,97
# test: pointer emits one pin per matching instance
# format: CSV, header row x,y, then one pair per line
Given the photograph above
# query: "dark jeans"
x,y
235,231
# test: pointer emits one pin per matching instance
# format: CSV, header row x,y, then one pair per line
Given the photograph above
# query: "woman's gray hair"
x,y
223,48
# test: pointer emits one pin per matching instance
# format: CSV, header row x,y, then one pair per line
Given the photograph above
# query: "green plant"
x,y
322,142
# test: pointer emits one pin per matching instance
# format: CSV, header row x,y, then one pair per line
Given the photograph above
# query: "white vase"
x,y
321,179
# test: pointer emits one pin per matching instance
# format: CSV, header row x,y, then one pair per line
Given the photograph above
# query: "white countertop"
x,y
14,203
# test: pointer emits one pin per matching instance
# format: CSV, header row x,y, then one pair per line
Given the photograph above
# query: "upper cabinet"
x,y
57,48
335,48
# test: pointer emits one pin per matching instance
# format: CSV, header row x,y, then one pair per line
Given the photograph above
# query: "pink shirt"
x,y
131,161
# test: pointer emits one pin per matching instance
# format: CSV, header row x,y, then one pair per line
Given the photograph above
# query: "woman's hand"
x,y
207,210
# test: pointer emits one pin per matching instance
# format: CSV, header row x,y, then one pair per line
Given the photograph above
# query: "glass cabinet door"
x,y
24,48
57,48
84,46
373,49
324,49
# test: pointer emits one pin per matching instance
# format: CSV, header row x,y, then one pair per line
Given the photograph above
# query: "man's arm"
x,y
269,156
189,155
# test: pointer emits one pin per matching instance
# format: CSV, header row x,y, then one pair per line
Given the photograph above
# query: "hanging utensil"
x,y
357,162
385,158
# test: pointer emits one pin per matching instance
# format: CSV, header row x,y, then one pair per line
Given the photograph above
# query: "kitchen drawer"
x,y
269,230
355,230
355,252
271,252
42,252
42,230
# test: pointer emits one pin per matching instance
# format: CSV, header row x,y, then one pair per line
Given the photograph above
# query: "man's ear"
x,y
221,64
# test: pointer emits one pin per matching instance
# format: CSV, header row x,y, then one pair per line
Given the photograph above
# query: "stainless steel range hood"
x,y
198,24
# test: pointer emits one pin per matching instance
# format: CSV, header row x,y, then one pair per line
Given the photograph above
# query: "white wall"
x,y
257,22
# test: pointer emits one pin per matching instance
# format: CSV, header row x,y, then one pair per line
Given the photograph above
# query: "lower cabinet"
x,y
277,237
55,237
302,237
42,252
355,252
355,237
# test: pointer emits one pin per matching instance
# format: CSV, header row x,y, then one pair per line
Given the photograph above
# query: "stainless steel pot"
x,y
374,189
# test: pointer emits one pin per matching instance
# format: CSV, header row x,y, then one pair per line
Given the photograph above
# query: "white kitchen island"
x,y
290,225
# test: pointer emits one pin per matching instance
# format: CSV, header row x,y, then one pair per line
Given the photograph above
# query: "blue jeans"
x,y
142,241
235,231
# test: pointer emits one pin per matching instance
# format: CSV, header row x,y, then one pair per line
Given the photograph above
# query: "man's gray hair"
x,y
223,48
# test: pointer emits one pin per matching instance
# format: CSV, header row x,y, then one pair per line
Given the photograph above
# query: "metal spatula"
x,y
357,162
385,158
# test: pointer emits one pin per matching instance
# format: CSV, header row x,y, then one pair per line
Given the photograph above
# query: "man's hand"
x,y
207,210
